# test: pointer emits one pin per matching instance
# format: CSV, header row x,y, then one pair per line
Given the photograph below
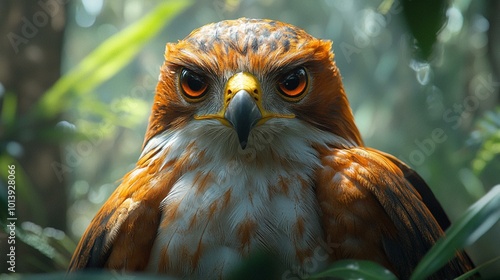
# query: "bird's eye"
x,y
193,85
294,83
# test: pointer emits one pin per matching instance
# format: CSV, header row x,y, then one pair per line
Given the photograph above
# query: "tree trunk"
x,y
31,38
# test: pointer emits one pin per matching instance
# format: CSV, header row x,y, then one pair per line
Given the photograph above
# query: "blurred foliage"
x,y
109,58
487,136
21,180
105,61
54,246
399,99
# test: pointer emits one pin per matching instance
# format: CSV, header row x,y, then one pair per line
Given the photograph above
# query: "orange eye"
x,y
192,84
294,83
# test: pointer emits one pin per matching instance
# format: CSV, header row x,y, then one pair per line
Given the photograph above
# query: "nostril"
x,y
229,95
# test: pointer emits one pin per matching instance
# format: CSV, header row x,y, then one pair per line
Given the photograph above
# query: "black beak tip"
x,y
243,144
243,114
243,137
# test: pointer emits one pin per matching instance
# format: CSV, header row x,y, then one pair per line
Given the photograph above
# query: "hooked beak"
x,y
243,114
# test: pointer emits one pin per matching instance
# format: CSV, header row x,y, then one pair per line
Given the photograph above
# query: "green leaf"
x,y
24,187
476,221
8,112
107,59
425,18
356,269
472,272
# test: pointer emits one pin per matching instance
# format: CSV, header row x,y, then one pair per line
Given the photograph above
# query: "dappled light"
x,y
430,100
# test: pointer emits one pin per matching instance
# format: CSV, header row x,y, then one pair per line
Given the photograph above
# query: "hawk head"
x,y
241,82
196,205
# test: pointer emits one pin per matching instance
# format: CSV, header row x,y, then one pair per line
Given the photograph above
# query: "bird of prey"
x,y
252,147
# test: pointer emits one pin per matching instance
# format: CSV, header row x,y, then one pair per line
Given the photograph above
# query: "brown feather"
x,y
372,212
112,239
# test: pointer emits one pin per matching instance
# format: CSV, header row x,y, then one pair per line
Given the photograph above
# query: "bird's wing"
x,y
374,207
123,231
422,188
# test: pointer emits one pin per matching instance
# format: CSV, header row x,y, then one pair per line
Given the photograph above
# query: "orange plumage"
x,y
252,146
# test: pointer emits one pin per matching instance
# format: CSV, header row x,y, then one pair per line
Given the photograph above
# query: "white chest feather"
x,y
230,203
